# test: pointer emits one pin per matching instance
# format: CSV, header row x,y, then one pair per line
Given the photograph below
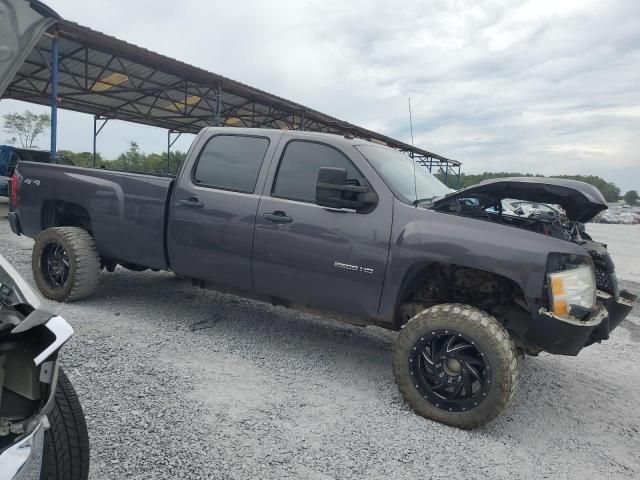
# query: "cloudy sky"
x,y
550,86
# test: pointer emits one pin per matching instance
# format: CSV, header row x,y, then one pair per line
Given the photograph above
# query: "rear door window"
x,y
298,171
231,162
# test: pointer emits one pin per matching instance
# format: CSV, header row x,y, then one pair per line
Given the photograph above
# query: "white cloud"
x,y
541,86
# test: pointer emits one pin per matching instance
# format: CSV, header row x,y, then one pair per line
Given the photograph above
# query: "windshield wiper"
x,y
420,200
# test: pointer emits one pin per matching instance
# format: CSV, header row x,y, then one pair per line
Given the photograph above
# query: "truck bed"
x,y
126,211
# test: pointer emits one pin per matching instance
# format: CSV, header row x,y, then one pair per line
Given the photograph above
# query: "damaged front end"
x,y
559,326
30,338
579,201
580,311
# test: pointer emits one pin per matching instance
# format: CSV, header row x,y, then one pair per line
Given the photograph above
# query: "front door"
x,y
315,256
214,207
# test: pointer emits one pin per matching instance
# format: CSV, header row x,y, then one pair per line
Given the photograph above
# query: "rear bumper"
x,y
567,336
23,460
14,222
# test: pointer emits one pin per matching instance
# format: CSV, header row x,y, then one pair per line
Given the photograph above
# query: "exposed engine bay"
x,y
489,208
549,206
552,207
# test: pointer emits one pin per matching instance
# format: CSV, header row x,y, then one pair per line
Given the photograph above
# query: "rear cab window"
x,y
297,172
230,162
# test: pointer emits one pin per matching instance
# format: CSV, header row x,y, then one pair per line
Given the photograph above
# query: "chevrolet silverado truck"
x,y
352,230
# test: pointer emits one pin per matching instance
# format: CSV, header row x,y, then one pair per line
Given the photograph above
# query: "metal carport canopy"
x,y
107,77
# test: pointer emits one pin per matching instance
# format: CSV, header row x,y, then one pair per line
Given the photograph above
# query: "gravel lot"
x,y
270,393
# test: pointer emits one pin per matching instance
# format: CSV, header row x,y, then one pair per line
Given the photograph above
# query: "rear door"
x,y
212,214
325,258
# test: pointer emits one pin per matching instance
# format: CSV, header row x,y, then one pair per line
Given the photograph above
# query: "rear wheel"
x,y
65,263
455,364
66,442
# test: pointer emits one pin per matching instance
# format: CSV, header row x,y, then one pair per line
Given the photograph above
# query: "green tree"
x,y
26,127
82,159
131,160
631,197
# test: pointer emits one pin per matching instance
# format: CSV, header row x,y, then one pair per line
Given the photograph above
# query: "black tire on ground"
x,y
471,334
66,443
82,258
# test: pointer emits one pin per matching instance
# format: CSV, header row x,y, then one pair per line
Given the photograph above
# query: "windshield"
x,y
397,170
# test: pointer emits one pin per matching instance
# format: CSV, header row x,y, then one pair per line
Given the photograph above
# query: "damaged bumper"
x,y
567,336
23,460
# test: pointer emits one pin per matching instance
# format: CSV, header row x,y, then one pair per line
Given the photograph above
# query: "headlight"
x,y
576,286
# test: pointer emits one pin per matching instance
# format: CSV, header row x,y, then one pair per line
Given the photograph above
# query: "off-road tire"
x,y
66,442
489,336
83,258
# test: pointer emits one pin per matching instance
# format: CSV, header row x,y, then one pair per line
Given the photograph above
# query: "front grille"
x,y
607,282
605,271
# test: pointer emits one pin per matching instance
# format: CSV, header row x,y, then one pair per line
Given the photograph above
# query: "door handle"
x,y
278,217
191,202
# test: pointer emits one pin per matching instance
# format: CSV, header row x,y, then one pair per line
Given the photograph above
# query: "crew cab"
x,y
349,229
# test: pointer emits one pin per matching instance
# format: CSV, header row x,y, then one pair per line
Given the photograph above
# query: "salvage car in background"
x,y
43,434
349,229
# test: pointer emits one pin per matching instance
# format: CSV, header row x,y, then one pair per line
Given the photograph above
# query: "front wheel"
x,y
66,442
455,364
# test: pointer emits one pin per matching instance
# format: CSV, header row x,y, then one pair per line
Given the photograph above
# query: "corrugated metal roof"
x,y
102,75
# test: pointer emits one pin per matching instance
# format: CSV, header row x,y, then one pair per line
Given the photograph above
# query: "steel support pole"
x,y
95,120
446,172
302,122
54,96
458,181
96,132
169,145
218,107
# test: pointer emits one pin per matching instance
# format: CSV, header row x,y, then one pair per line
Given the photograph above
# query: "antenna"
x,y
410,121
415,182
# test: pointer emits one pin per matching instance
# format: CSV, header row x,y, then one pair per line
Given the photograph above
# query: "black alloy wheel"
x,y
455,364
450,371
55,265
65,263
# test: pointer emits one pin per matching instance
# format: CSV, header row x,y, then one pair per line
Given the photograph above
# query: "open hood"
x,y
580,200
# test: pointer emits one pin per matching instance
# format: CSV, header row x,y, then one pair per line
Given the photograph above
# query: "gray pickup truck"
x,y
352,230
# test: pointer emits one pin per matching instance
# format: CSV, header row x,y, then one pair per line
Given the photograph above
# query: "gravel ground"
x,y
268,393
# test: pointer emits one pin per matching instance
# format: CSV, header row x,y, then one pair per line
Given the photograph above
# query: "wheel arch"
x,y
418,273
60,213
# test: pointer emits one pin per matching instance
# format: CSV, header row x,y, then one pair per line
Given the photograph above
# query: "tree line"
x,y
133,160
